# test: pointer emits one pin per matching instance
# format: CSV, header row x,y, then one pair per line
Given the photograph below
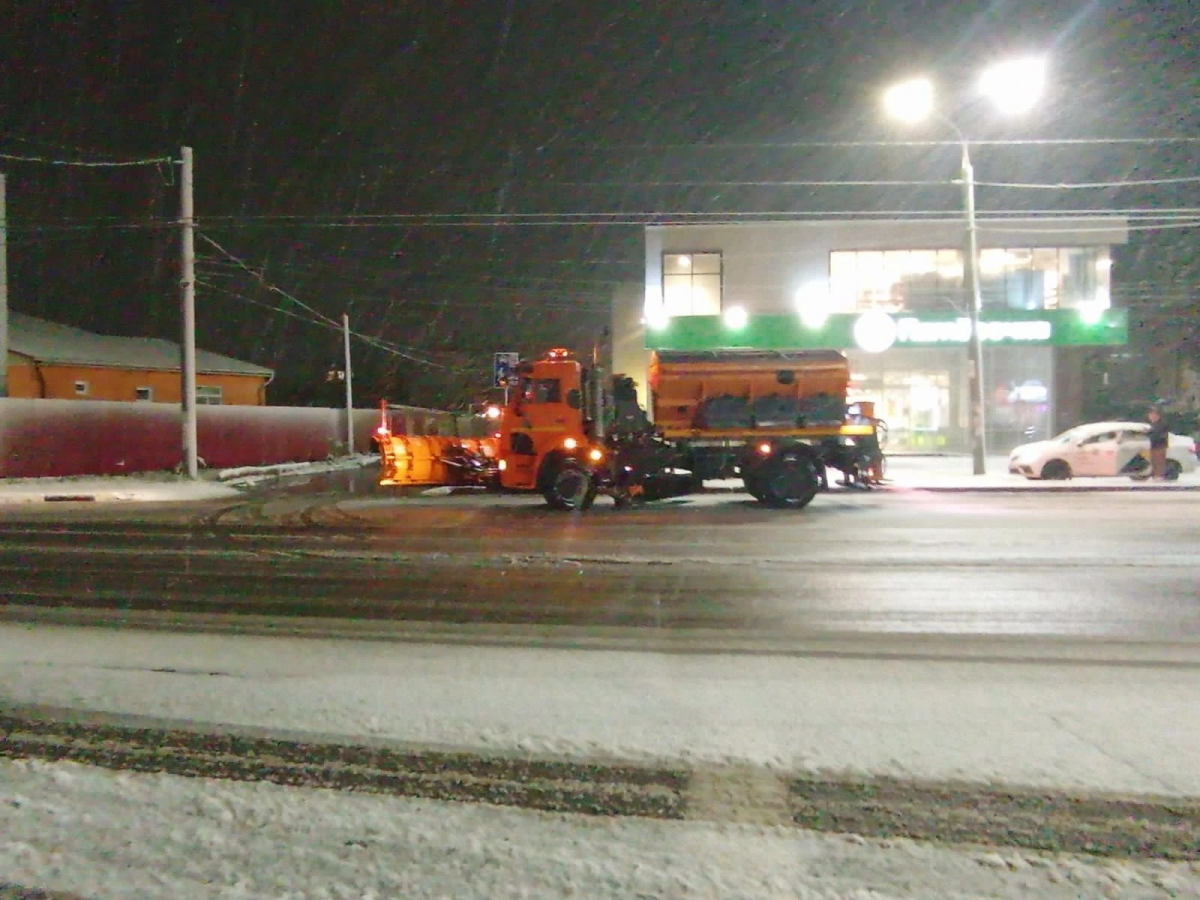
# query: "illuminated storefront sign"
x,y
877,331
913,331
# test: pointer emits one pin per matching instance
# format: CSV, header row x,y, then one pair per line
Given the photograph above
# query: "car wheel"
x,y
1173,470
1056,470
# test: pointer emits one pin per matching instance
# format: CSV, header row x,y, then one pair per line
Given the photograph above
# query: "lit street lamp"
x,y
1013,87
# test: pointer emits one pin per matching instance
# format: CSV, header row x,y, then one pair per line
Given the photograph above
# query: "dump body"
x,y
746,391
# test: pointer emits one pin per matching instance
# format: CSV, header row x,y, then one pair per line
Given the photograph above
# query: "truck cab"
x,y
547,440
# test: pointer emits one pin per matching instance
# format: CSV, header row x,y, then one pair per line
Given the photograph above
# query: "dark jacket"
x,y
1159,434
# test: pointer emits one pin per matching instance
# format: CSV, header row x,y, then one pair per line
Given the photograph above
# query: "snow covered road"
x,y
748,737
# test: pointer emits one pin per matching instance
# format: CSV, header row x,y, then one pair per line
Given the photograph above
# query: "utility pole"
x,y
187,244
3,291
974,304
349,386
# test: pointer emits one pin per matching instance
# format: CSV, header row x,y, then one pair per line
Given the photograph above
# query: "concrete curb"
x,y
1036,488
1057,489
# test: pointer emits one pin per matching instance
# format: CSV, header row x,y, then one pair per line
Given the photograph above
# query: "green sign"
x,y
877,331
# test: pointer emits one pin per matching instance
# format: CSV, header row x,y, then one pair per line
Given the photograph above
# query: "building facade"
x,y
57,362
890,295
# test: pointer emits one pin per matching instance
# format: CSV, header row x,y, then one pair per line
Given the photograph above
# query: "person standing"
x,y
1159,436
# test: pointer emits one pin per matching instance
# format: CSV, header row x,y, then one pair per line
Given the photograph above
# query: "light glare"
x,y
657,318
812,302
735,317
909,101
1014,86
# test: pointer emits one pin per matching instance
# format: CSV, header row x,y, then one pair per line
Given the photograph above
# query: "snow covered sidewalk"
x,y
106,835
1083,726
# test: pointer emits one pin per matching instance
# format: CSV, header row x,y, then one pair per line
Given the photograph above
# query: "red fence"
x,y
91,437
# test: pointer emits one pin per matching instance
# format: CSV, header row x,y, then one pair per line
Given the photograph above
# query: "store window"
x,y
922,394
1084,274
1009,278
692,284
895,280
914,401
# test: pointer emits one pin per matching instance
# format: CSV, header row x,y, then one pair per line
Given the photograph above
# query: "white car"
x,y
1101,448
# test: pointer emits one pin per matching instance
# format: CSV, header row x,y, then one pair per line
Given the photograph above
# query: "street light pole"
x,y
974,303
1013,87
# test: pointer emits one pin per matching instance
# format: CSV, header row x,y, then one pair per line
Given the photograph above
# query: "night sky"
x,y
465,177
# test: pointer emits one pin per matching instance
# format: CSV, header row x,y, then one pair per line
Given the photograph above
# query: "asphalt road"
x,y
1113,566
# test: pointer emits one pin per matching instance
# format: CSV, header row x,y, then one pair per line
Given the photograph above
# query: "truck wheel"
x,y
754,487
790,479
570,487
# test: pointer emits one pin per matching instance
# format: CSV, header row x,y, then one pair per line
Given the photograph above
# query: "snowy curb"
x,y
256,474
1046,489
152,492
163,486
1030,488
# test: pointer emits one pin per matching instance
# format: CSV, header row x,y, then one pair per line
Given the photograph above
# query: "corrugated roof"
x,y
50,343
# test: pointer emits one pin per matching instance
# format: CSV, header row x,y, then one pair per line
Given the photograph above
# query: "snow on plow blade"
x,y
435,460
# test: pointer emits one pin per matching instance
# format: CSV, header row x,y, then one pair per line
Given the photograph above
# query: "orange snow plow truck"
x,y
779,421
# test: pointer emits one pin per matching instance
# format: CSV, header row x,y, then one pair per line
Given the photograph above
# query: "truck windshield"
x,y
541,390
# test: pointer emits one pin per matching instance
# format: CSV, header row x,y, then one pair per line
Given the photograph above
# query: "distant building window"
x,y
81,389
1010,278
209,395
145,393
692,284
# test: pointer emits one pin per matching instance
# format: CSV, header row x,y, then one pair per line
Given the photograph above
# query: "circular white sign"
x,y
874,331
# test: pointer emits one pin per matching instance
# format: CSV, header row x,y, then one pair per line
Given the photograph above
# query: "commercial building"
x,y
57,362
889,293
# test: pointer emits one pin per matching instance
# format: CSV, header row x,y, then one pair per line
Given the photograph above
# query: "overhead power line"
x,y
981,142
950,182
1089,185
89,164
754,183
1158,226
318,317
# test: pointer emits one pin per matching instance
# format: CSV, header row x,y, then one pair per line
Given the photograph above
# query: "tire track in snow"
x,y
553,786
741,794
